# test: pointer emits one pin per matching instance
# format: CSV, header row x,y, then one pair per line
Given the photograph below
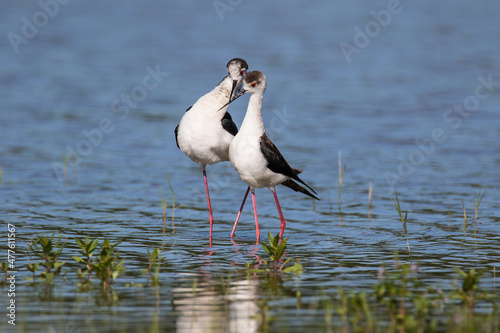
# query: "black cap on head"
x,y
242,62
254,76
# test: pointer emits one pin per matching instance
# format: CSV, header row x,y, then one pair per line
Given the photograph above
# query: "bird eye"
x,y
253,84
241,73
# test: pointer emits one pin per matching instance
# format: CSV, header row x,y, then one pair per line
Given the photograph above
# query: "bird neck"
x,y
252,123
211,102
223,89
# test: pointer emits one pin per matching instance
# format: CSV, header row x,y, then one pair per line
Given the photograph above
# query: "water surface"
x,y
389,109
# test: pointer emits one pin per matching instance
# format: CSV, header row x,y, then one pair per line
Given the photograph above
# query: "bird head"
x,y
236,68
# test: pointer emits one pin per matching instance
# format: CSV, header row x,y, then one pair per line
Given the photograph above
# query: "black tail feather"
x,y
296,178
296,187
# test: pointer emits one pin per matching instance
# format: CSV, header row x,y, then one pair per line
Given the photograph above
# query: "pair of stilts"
x,y
208,135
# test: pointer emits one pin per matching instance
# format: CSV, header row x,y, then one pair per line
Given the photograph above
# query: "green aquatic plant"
x,y
163,200
396,287
476,205
275,250
401,302
172,194
476,208
75,177
408,302
400,211
466,220
33,268
298,296
470,285
108,264
4,266
403,219
354,310
65,167
264,316
341,177
86,249
65,163
297,267
449,217
49,249
370,195
154,259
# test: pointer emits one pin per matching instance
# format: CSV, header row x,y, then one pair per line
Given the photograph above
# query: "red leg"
x,y
239,213
257,230
211,218
283,223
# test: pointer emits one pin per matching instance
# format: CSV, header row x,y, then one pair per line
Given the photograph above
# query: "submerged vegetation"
x,y
107,265
476,205
399,298
341,177
49,250
276,264
164,204
403,219
399,301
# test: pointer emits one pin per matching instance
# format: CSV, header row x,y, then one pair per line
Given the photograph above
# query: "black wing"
x,y
176,131
277,163
228,124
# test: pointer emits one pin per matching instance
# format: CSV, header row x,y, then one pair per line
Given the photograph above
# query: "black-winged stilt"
x,y
257,160
205,132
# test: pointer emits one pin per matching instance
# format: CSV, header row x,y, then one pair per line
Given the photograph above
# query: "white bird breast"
x,y
246,157
201,135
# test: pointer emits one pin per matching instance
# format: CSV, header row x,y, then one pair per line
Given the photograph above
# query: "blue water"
x,y
408,108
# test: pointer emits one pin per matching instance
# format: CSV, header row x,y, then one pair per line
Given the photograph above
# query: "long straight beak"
x,y
242,92
235,83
